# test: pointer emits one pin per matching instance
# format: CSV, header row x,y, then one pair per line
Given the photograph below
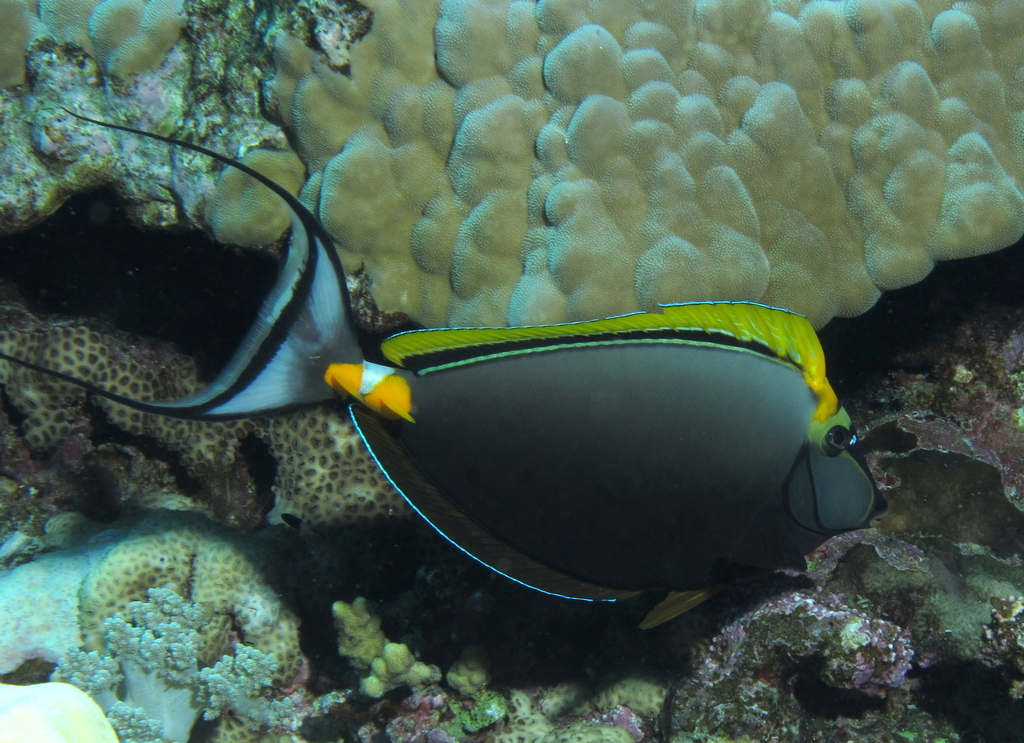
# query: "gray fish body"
x,y
590,460
631,465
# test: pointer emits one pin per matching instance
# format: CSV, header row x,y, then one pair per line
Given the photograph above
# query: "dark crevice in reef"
x,y
105,432
14,416
859,348
87,260
262,468
975,699
819,699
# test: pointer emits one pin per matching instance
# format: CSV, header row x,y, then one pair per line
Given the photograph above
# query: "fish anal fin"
x,y
463,531
676,603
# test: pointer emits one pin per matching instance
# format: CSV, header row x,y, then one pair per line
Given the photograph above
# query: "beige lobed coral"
x,y
126,36
567,159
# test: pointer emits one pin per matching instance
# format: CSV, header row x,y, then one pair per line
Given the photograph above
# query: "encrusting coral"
x,y
528,725
324,476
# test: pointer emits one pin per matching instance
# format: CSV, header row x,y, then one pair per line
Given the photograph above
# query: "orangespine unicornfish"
x,y
674,450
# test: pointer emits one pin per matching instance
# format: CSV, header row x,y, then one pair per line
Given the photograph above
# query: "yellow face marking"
x,y
828,402
391,396
820,427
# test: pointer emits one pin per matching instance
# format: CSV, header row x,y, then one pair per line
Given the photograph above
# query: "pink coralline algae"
x,y
625,718
747,676
420,719
859,653
971,402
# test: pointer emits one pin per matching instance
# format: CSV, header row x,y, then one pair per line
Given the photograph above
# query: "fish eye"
x,y
836,440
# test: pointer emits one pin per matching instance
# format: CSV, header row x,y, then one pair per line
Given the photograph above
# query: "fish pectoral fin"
x,y
462,530
676,603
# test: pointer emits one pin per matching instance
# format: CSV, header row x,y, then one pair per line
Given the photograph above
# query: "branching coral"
x,y
389,664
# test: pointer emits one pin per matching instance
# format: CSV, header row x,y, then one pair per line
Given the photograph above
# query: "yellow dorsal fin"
x,y
786,334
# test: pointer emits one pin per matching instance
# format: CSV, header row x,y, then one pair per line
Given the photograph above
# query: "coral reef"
x,y
528,725
537,161
909,631
156,656
212,565
872,644
182,550
567,161
324,474
388,664
119,597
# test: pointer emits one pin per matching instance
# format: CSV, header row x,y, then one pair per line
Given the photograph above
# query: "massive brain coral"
x,y
510,161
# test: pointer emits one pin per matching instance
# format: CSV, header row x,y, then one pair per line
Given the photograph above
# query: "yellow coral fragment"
x,y
390,664
396,666
359,635
468,674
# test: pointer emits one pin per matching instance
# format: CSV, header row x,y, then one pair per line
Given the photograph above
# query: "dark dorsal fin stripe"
x,y
446,358
302,325
460,529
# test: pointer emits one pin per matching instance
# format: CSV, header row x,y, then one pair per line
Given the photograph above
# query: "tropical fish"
x,y
674,450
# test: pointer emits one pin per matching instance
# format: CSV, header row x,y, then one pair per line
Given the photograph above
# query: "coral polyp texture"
x,y
567,160
125,36
324,475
